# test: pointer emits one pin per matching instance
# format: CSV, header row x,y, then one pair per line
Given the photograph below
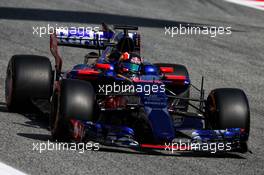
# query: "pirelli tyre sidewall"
x,y
28,77
228,108
76,100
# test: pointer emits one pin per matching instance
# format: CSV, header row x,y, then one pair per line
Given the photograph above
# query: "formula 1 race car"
x,y
120,99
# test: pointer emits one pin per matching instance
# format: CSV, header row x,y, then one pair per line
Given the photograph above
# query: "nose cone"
x,y
162,125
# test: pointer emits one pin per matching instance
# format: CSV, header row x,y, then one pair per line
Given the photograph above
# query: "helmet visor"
x,y
131,67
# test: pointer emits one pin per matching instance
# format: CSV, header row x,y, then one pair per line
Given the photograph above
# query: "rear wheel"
x,y
75,102
229,108
28,77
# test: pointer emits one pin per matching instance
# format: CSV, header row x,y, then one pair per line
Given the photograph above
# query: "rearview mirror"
x,y
166,69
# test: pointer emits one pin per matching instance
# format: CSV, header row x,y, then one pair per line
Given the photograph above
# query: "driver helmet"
x,y
130,63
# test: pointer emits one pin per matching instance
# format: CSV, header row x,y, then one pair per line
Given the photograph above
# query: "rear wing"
x,y
85,39
89,39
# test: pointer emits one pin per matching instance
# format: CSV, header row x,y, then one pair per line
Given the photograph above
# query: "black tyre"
x,y
181,91
28,77
75,101
229,108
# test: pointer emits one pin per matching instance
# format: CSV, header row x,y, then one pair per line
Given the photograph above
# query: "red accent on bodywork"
x,y
88,72
125,69
57,86
166,69
175,77
125,56
115,102
78,130
54,51
170,147
103,66
137,80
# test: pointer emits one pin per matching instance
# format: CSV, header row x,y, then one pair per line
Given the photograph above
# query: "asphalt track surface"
x,y
235,60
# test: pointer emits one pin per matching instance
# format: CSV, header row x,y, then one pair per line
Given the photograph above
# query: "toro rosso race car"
x,y
117,98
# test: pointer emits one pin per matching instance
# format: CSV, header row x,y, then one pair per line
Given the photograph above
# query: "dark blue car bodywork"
x,y
164,128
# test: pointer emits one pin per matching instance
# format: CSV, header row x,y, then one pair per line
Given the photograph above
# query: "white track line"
x,y
8,170
249,3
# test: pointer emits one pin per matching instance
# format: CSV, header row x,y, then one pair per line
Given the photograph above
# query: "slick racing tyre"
x,y
181,91
28,77
229,108
75,102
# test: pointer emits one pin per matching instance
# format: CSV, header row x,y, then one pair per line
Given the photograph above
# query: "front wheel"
x,y
74,103
229,108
